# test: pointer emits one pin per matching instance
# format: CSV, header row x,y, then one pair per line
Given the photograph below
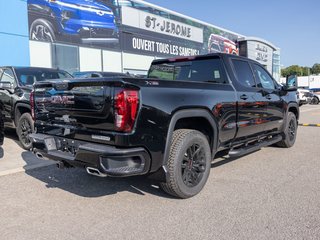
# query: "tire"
x,y
25,126
42,30
290,132
187,174
314,101
1,128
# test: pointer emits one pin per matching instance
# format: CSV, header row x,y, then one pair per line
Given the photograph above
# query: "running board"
x,y
252,148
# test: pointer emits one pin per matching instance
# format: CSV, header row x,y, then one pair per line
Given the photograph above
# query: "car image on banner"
x,y
76,21
217,43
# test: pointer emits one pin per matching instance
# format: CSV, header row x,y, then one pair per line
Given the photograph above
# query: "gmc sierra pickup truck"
x,y
15,87
168,126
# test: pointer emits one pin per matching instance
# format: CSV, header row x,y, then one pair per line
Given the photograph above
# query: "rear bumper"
x,y
109,160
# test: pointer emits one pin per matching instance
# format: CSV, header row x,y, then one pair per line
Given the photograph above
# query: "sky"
x,y
291,25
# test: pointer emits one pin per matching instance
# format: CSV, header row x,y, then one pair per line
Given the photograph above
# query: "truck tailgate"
x,y
80,106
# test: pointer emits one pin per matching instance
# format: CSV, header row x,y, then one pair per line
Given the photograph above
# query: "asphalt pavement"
x,y
270,194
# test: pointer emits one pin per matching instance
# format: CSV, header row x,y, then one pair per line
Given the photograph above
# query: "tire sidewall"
x,y
291,117
190,139
28,117
1,127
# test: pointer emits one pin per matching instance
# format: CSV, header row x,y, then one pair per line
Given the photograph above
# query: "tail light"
x,y
126,108
32,105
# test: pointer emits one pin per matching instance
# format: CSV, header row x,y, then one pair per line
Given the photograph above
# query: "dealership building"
x,y
114,35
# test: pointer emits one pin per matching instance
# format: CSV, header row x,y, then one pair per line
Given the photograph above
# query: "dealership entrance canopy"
x,y
114,35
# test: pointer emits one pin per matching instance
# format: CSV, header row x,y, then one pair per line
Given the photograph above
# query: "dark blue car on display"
x,y
84,21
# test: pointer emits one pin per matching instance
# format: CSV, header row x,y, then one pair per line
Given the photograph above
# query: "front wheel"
x,y
188,165
290,131
25,126
1,128
42,30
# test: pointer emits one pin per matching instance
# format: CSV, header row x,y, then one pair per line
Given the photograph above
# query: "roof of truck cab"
x,y
209,55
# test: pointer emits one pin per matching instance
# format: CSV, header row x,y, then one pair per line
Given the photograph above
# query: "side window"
x,y
263,78
8,76
244,73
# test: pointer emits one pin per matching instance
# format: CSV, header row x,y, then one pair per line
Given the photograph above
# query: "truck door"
x,y
251,102
7,76
275,106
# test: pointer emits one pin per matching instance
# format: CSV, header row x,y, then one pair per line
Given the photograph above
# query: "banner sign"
x,y
124,26
151,22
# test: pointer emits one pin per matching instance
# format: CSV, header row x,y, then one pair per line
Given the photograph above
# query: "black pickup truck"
x,y
15,87
169,126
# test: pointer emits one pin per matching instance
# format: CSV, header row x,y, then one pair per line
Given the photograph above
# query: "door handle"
x,y
244,97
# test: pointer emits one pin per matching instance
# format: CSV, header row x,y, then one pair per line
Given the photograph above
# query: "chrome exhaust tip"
x,y
39,155
95,172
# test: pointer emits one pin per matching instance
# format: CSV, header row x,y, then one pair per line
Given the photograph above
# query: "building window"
x,y
65,57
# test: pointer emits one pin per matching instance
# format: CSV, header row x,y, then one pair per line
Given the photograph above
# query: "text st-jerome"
x,y
168,27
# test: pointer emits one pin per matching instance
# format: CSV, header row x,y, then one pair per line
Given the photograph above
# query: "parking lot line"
x,y
309,125
23,169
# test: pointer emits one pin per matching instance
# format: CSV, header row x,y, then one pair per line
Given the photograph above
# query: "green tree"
x,y
292,70
315,68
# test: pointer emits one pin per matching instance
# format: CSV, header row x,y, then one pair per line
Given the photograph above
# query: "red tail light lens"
x,y
32,105
126,109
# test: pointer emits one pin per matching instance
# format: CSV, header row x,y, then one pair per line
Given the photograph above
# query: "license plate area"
x,y
61,144
50,144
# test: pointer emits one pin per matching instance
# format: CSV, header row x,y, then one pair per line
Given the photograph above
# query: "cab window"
x,y
264,80
7,76
244,73
199,70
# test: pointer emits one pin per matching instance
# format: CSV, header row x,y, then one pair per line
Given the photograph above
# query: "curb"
x,y
309,125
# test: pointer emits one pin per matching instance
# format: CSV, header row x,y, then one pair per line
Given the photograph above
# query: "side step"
x,y
255,147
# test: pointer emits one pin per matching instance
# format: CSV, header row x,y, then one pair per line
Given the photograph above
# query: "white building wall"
x,y
314,82
40,54
112,61
134,63
90,59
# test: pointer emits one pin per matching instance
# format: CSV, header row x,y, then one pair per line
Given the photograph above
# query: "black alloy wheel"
x,y
290,131
25,127
193,165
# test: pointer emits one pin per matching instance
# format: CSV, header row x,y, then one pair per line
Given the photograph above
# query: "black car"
x,y
15,88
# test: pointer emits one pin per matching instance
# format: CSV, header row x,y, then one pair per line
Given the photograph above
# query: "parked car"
x,y
15,87
316,93
85,21
305,96
168,126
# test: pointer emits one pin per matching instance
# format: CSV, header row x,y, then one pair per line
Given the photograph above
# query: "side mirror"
x,y
291,83
6,86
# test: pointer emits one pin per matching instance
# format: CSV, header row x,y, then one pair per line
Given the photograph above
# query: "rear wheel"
x,y
290,132
188,165
314,100
25,126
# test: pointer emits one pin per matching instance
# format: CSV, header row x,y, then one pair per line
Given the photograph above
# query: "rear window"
x,y
29,76
200,70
